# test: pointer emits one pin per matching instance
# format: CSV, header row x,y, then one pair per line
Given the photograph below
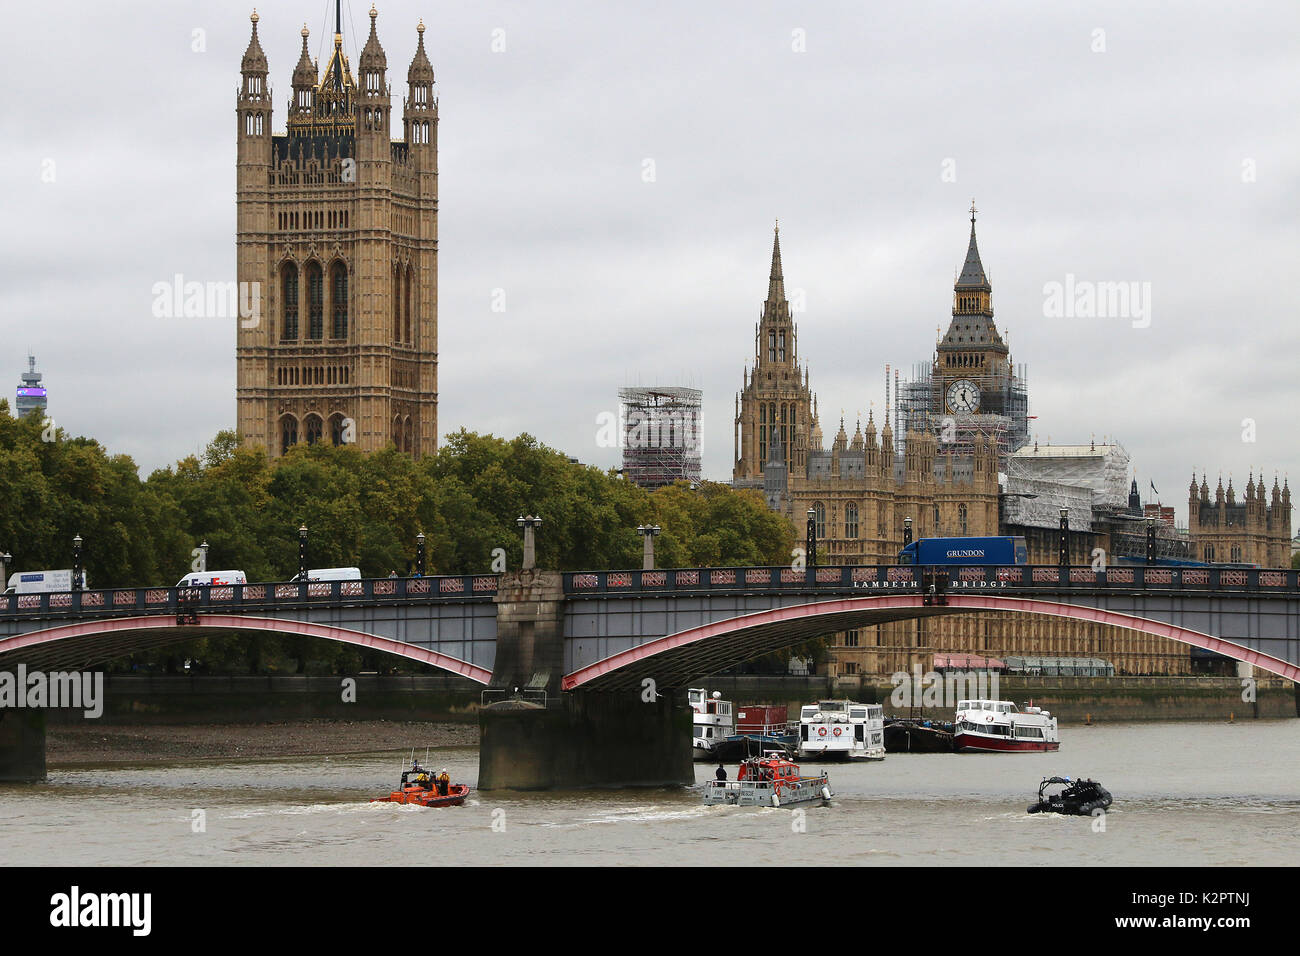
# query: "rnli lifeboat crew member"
x,y
419,776
444,782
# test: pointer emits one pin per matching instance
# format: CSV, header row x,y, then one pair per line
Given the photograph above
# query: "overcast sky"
x,y
1156,145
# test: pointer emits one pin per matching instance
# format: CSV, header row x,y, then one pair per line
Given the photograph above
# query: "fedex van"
x,y
40,582
329,574
198,579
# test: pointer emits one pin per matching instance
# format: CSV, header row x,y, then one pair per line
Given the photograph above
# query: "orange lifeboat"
x,y
422,788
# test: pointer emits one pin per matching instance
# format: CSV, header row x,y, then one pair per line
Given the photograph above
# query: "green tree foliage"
x,y
360,510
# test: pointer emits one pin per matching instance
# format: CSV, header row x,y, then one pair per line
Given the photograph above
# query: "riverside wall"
x,y
146,699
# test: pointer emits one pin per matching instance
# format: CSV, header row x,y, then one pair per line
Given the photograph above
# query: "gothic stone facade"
x,y
860,493
338,225
1252,531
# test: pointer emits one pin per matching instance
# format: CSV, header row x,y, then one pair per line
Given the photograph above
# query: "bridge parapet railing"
x,y
238,598
840,578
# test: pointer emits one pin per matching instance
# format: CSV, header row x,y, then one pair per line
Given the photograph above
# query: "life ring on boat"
x,y
988,719
821,731
838,731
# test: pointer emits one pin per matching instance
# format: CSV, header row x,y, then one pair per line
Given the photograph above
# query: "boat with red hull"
x,y
999,726
423,789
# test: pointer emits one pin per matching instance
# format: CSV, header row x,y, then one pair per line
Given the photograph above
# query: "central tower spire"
x,y
775,281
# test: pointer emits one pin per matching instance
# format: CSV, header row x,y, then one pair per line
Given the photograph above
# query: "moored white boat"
x,y
713,721
842,730
999,726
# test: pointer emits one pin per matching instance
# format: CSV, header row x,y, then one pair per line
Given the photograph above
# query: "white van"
x,y
40,582
198,579
330,574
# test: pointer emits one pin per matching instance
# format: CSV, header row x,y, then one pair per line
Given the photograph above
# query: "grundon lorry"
x,y
1000,551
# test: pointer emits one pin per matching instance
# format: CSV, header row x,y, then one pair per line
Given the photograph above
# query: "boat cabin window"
x,y
808,712
858,713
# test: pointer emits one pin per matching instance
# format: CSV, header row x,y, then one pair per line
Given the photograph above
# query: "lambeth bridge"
x,y
579,649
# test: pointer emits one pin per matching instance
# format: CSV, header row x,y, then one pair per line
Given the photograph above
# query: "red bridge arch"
x,y
85,643
699,650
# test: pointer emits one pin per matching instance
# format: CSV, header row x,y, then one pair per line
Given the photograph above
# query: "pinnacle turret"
x,y
254,57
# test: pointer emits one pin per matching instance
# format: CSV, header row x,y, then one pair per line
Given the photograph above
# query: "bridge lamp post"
x,y
811,544
76,563
529,523
907,531
302,555
203,556
419,554
1065,537
5,558
647,533
1151,540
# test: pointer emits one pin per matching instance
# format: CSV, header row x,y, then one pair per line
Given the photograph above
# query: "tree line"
x,y
360,510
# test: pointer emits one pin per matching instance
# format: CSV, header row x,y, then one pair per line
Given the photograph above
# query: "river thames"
x,y
1185,794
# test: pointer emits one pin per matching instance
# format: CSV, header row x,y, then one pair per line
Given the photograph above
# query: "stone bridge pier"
x,y
22,746
534,736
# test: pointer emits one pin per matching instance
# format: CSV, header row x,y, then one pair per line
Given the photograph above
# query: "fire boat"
x,y
769,782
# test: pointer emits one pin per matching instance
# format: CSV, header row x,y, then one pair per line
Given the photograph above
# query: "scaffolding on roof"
x,y
919,407
661,435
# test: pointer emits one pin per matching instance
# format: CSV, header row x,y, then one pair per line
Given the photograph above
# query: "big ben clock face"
x,y
963,396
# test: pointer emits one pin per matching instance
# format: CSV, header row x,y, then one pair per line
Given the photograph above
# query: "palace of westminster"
x,y
339,224
957,461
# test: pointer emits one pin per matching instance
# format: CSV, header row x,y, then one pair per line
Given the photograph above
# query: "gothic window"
x,y
314,428
819,519
771,346
339,300
289,296
1236,554
338,429
408,434
406,308
781,346
315,301
762,414
961,517
288,433
397,305
936,519
851,521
